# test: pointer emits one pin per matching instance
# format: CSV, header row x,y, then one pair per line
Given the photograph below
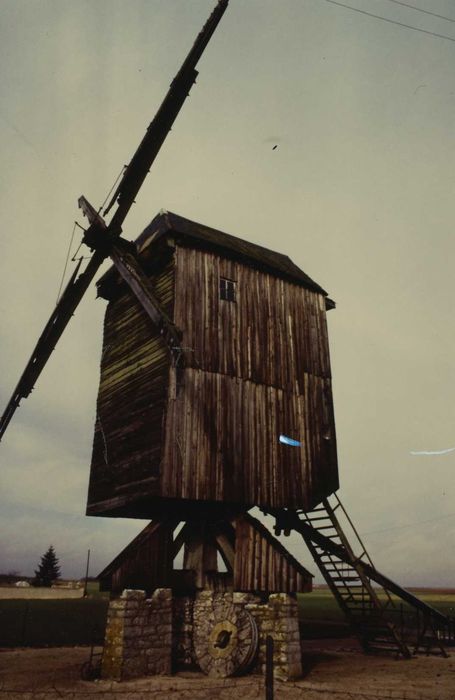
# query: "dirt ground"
x,y
332,669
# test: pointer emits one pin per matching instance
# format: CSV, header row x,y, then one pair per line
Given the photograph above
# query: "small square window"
x,y
227,289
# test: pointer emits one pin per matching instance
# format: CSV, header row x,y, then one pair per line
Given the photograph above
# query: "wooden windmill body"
x,y
192,432
196,427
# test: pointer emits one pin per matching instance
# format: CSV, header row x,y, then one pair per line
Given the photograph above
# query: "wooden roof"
x,y
169,225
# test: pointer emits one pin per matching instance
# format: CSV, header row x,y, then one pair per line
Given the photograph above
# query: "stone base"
x,y
138,639
279,619
153,636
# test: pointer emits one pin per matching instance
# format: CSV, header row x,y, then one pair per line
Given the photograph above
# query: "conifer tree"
x,y
48,569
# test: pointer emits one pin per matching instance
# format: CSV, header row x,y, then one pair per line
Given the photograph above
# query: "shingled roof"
x,y
188,232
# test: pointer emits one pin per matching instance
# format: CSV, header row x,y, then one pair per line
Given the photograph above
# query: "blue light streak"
x,y
289,441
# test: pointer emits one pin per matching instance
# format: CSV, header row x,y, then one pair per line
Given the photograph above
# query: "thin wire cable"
x,y
418,522
66,263
419,9
391,21
124,167
73,259
104,439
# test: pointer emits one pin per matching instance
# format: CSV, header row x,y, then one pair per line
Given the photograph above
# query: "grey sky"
x,y
359,193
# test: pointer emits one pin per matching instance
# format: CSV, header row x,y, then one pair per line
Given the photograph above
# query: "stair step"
x,y
347,578
317,510
360,606
325,527
333,559
359,596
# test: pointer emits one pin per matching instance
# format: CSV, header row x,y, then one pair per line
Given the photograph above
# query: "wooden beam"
x,y
130,269
224,534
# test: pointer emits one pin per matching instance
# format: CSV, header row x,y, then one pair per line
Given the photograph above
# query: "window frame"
x,y
227,289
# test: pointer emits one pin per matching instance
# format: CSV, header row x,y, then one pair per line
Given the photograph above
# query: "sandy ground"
x,y
333,669
48,593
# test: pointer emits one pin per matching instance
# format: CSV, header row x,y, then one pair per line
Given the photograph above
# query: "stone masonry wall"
x,y
144,636
279,619
138,636
182,633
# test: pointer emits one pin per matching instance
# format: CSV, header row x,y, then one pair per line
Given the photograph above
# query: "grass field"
x,y
321,603
321,616
69,621
52,622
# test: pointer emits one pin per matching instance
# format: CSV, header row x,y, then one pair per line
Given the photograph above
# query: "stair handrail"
x,y
360,541
387,584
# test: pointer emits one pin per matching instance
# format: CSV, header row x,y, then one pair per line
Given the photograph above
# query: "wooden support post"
x,y
200,553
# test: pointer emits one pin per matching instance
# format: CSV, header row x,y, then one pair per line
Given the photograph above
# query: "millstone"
x,y
225,637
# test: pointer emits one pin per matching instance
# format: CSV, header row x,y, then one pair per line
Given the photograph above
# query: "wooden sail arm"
x,y
53,329
127,264
160,126
123,255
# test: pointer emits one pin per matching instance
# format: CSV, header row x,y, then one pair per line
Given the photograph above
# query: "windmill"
x,y
215,396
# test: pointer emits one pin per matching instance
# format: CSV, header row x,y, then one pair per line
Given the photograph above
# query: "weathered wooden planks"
x,y
146,563
254,369
222,443
273,334
131,400
262,564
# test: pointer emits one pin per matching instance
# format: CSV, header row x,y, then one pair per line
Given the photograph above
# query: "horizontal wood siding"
x,y
255,369
263,565
131,400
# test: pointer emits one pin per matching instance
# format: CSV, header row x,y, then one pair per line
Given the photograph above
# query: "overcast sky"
x,y
359,193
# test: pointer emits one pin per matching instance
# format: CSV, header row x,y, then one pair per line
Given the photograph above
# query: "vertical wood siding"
x,y
273,334
132,396
255,369
146,563
262,564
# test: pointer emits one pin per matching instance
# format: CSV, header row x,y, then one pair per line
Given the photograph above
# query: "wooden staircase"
x,y
371,610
